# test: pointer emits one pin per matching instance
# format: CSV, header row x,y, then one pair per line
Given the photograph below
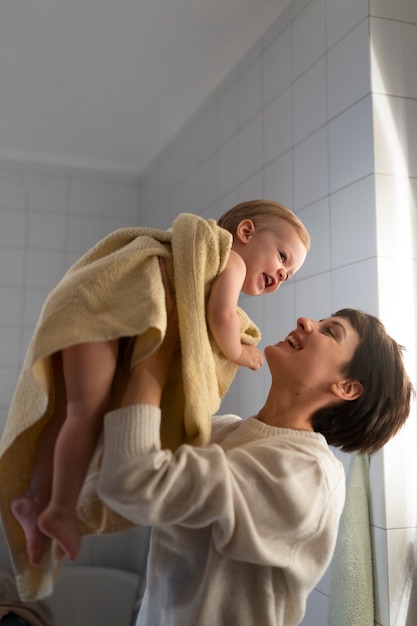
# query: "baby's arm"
x,y
222,315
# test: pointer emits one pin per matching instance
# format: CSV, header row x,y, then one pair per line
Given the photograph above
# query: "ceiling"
x,y
105,84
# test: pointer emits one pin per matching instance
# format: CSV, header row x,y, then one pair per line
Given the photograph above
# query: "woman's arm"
x,y
261,499
148,377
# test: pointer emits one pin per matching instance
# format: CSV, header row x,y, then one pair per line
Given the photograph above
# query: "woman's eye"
x,y
327,330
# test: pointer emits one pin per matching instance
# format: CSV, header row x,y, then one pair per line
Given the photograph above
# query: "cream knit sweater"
x,y
243,529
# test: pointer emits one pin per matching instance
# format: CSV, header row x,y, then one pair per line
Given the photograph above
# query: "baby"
x,y
269,245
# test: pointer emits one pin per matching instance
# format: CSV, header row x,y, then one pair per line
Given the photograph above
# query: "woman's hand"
x,y
148,377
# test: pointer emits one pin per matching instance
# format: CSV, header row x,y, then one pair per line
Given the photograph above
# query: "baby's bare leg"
x,y
88,372
27,507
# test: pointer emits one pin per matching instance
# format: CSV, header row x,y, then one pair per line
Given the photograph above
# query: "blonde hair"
x,y
262,213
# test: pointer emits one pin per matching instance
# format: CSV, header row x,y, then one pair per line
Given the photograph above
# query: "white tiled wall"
x,y
294,122
48,218
284,125
302,119
393,32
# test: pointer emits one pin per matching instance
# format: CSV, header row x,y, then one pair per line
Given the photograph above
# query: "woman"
x,y
244,529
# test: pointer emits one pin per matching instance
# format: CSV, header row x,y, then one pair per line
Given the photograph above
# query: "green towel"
x,y
351,601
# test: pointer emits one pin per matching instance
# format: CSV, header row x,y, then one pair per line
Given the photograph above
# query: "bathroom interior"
x,y
309,102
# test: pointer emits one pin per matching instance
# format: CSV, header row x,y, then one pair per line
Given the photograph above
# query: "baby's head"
x,y
270,239
266,215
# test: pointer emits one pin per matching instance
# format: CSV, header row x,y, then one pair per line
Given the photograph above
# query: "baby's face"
x,y
271,257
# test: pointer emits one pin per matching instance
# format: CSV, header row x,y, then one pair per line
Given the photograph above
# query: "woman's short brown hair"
x,y
264,214
367,423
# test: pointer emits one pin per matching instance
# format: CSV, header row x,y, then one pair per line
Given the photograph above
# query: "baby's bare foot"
x,y
26,511
62,527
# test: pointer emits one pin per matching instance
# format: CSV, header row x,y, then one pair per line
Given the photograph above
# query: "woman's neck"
x,y
287,412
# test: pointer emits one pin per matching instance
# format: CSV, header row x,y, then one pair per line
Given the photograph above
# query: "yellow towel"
x,y
115,291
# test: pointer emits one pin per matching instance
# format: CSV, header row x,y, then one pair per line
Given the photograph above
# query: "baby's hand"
x,y
251,357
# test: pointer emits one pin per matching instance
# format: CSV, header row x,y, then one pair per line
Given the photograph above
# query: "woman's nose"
x,y
305,324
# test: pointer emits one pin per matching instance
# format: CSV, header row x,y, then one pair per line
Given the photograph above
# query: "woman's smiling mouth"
x,y
293,341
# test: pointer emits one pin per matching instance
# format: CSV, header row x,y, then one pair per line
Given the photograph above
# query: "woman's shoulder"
x,y
222,425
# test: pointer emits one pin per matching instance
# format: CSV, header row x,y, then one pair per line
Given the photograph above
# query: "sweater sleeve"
x,y
262,499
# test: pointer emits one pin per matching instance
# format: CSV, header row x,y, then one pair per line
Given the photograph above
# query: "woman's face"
x,y
312,356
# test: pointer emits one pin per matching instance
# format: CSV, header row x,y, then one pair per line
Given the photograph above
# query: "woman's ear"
x,y
347,389
244,231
